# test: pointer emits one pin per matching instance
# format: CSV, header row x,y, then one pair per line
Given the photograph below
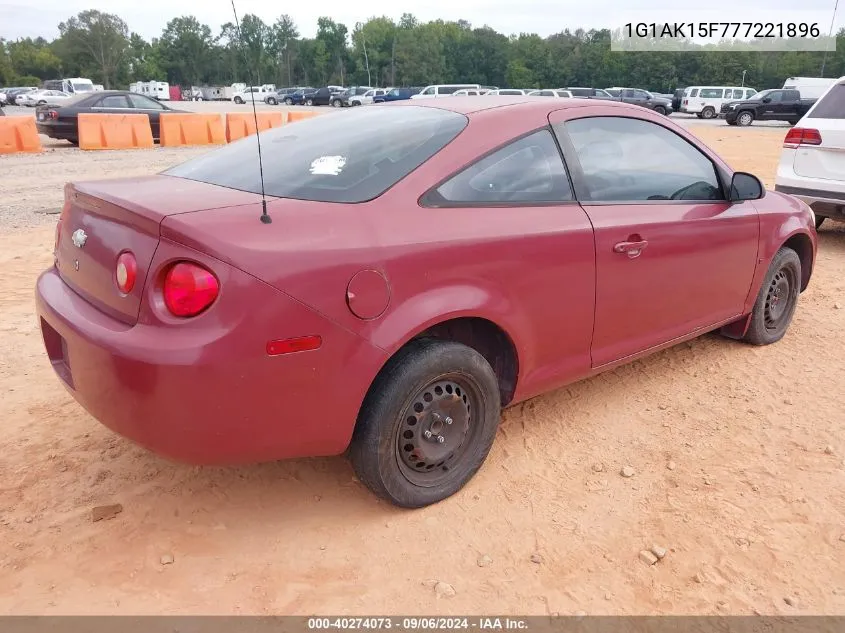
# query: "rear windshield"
x,y
831,105
351,157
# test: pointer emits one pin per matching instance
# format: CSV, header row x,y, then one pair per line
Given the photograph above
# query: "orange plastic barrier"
x,y
18,134
241,124
177,129
114,131
299,115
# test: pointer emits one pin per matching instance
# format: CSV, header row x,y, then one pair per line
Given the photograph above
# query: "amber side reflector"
x,y
290,345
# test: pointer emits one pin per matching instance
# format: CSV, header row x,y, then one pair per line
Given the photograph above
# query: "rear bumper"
x,y
207,392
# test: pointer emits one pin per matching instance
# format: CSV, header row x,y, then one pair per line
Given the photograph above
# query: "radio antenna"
x,y
265,217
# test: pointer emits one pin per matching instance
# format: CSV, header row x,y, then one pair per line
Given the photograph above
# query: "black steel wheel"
x,y
427,423
777,299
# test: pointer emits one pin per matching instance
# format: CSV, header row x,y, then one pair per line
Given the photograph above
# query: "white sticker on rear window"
x,y
328,165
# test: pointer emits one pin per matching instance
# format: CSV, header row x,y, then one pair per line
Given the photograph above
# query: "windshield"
x,y
83,87
351,158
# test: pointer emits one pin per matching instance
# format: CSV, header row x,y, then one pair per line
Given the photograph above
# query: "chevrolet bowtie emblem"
x,y
78,238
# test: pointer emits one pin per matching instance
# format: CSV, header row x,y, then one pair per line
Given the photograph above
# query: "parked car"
x,y
591,93
342,99
277,97
469,92
643,98
397,94
443,90
60,122
42,97
368,97
322,96
12,94
298,97
558,94
168,318
253,93
706,101
769,105
812,161
513,92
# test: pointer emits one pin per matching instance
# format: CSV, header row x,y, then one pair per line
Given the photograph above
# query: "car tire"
x,y
289,101
744,118
309,102
272,101
708,113
776,300
730,122
660,110
430,389
819,221
336,103
41,103
239,101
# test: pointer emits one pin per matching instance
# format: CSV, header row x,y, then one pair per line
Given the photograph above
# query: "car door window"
x,y
527,170
750,93
629,160
738,94
428,91
693,92
113,101
641,94
776,96
144,103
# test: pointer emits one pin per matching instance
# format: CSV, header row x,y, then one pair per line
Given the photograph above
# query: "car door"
x,y
514,208
673,256
152,108
771,107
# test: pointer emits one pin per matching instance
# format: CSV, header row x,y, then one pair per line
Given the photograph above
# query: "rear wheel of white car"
x,y
744,118
238,100
708,113
272,101
427,423
777,299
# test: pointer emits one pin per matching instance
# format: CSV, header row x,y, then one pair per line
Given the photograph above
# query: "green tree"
x,y
187,51
101,38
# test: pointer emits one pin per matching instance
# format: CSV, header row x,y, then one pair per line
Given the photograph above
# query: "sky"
x,y
33,18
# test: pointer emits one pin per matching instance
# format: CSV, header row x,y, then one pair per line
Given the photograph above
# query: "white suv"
x,y
812,163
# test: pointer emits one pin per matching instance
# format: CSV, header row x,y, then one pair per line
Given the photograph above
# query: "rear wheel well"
x,y
489,340
801,244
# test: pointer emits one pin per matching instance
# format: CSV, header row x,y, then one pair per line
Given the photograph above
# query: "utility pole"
x,y
743,79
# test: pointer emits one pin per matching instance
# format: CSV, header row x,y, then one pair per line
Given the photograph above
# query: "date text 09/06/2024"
x,y
418,623
683,30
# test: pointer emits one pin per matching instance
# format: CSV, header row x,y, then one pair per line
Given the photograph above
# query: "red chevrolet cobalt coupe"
x,y
425,264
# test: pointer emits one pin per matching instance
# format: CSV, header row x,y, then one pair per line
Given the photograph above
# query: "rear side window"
x,y
330,158
831,105
528,169
738,93
711,93
693,92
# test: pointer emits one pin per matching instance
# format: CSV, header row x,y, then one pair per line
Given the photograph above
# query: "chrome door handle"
x,y
632,249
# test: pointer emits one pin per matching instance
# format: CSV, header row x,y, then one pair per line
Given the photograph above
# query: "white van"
x,y
809,87
443,90
705,102
159,90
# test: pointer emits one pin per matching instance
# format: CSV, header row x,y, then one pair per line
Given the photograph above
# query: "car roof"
x,y
470,105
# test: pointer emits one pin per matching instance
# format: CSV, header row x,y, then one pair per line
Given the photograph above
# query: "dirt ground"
x,y
737,453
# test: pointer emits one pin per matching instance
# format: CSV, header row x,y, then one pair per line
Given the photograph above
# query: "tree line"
x,y
382,52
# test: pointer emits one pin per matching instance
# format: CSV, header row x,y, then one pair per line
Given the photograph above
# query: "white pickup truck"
x,y
253,93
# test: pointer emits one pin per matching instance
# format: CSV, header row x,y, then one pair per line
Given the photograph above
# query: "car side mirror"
x,y
767,99
648,97
745,186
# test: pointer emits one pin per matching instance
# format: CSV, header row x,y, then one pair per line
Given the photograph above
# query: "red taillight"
x,y
802,136
51,114
289,345
686,101
189,289
125,272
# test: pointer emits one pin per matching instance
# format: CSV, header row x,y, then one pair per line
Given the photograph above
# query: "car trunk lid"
x,y
101,220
